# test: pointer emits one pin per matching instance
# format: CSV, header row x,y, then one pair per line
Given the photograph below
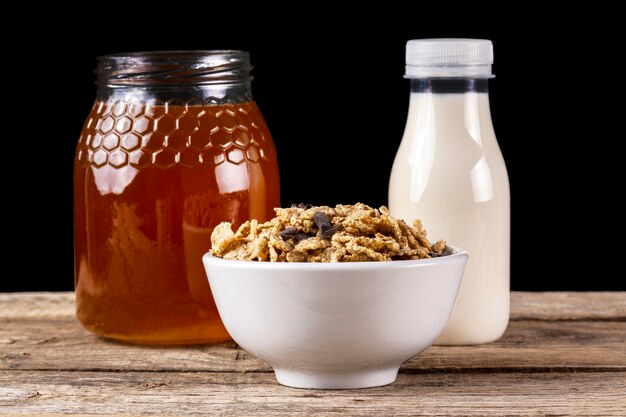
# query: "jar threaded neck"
x,y
173,68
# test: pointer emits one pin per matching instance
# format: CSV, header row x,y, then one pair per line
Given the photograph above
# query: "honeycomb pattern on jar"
x,y
165,134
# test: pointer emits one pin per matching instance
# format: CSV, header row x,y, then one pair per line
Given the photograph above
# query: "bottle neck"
x,y
449,85
451,110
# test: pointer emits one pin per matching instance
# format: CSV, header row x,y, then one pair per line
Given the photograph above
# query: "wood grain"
x,y
526,346
563,354
524,305
568,306
257,394
47,305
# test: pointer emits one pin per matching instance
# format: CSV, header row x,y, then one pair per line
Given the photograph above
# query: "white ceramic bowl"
x,y
336,325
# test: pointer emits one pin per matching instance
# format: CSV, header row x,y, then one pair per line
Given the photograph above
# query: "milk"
x,y
450,173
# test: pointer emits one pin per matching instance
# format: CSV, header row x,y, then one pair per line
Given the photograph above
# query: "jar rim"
x,y
179,52
173,68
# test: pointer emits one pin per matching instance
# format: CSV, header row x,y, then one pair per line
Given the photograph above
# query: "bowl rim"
x,y
456,255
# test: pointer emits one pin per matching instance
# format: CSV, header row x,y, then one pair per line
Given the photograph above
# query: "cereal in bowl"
x,y
345,233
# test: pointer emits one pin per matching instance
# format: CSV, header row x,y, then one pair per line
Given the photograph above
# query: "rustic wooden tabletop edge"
x,y
545,306
408,371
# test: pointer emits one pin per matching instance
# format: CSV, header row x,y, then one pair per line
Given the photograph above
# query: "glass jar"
x,y
174,145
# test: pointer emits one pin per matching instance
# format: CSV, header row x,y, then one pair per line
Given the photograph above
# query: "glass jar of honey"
x,y
173,145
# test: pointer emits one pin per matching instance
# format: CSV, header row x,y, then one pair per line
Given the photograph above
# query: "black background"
x,y
335,88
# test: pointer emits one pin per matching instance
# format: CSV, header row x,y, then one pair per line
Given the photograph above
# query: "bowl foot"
x,y
339,379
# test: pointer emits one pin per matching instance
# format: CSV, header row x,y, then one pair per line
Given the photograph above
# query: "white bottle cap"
x,y
437,58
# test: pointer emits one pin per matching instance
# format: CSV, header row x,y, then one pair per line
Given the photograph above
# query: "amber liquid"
x,y
150,184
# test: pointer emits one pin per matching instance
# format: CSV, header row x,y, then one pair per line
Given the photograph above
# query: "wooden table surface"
x,y
563,354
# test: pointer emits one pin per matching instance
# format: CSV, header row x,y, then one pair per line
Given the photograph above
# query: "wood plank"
x,y
49,305
61,344
257,394
563,354
568,306
524,305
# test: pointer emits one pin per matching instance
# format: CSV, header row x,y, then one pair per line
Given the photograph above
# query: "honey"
x,y
152,179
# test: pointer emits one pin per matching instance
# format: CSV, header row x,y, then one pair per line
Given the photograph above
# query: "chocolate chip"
x,y
321,220
326,229
325,226
293,233
325,233
288,233
300,237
